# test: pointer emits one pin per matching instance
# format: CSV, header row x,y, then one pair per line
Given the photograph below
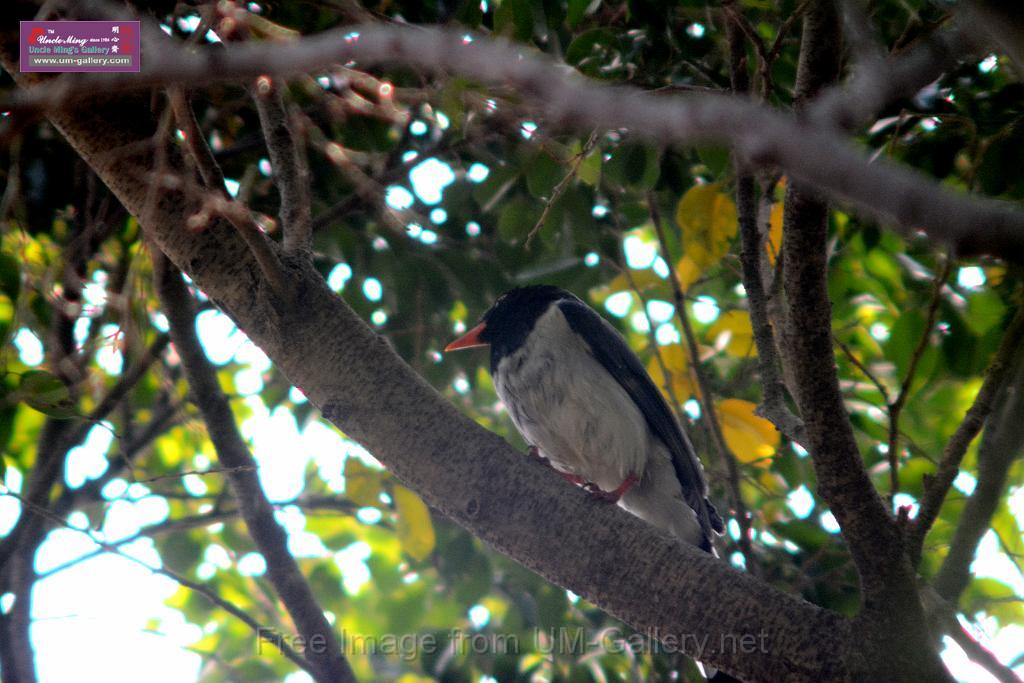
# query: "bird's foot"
x,y
612,496
534,452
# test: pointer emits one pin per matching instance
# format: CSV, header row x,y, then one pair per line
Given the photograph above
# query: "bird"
x,y
586,406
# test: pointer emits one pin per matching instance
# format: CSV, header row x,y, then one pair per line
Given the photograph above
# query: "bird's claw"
x,y
611,496
604,496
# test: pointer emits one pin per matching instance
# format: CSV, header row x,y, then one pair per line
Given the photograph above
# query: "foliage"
x,y
574,210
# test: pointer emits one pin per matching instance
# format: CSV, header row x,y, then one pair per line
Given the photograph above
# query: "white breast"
x,y
566,404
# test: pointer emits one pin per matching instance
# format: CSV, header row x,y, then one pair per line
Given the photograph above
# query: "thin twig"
x,y
710,414
857,363
288,161
199,152
261,631
560,188
896,407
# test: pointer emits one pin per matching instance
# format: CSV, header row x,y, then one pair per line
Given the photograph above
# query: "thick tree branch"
x,y
328,662
809,153
938,486
892,610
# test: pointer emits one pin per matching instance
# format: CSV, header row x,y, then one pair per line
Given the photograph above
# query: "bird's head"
x,y
507,324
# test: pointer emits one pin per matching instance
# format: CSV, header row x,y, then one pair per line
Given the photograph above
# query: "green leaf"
x,y
806,534
181,550
10,276
634,165
542,174
589,170
591,50
985,309
517,218
47,394
514,18
580,8
715,158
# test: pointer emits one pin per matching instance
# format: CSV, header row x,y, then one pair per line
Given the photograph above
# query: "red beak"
x,y
469,340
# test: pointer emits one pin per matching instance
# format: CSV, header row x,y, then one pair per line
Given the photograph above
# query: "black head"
x,y
512,317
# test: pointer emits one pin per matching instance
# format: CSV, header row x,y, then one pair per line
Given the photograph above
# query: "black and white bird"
x,y
583,401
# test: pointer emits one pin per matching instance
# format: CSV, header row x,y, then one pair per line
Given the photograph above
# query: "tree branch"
x,y
328,662
1001,445
881,81
937,487
707,403
773,407
896,406
889,593
288,162
200,152
818,156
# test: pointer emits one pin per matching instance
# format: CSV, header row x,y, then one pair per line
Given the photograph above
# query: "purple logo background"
x,y
59,46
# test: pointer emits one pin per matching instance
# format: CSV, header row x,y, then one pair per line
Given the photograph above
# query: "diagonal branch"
x,y
200,152
707,403
288,161
938,486
1001,445
270,538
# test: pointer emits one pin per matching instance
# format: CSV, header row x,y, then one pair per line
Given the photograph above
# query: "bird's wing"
x,y
612,352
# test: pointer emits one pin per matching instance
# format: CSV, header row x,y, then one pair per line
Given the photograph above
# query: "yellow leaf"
x,y
994,275
741,334
707,218
773,483
645,281
774,242
751,439
687,272
362,484
684,385
458,313
415,529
